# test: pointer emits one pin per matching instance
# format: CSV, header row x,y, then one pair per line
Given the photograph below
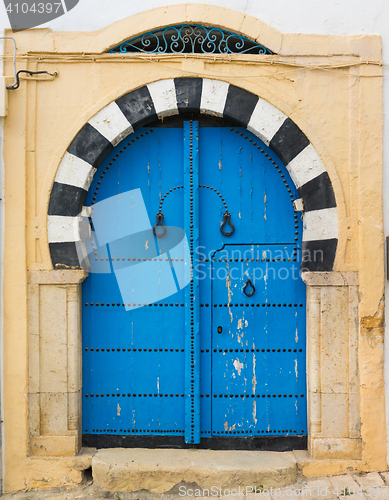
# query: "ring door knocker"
x,y
227,220
249,284
160,223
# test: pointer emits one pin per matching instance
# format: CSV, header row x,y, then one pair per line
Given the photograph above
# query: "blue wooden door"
x,y
223,355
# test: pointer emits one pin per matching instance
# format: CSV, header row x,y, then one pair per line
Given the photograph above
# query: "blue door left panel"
x,y
133,361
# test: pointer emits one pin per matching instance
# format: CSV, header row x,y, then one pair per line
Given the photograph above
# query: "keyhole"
x,y
219,329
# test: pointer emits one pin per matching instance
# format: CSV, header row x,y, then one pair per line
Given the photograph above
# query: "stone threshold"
x,y
160,471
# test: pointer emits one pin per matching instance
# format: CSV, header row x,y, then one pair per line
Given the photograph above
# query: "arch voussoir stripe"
x,y
138,107
265,121
193,95
240,105
320,255
75,172
89,145
214,97
305,166
188,94
66,200
64,255
288,141
111,123
318,193
163,95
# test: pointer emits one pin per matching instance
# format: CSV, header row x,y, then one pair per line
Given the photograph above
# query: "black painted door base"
x,y
265,443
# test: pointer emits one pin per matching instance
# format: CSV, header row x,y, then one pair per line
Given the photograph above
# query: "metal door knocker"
x,y
161,224
250,293
227,220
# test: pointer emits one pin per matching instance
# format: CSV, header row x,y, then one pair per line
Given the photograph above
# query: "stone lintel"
x,y
58,277
335,278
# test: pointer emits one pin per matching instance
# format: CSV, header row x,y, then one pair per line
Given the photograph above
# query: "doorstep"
x,y
159,471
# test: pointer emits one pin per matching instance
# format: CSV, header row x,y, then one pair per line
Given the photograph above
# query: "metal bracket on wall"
x,y
298,205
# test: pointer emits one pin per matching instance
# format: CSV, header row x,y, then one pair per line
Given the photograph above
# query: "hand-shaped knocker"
x,y
227,219
250,292
159,223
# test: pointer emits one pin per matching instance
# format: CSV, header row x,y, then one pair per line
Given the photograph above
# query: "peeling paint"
x,y
228,285
254,384
373,327
118,409
238,365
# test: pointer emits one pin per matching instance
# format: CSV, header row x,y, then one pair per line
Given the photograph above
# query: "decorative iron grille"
x,y
191,39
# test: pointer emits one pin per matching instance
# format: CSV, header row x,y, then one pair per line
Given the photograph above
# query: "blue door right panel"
x,y
257,363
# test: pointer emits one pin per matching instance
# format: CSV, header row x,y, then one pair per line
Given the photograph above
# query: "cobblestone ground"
x,y
359,487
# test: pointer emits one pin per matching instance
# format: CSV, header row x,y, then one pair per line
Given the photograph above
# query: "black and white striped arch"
x,y
182,95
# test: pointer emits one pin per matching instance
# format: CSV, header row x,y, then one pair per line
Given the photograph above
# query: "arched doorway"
x,y
85,156
222,359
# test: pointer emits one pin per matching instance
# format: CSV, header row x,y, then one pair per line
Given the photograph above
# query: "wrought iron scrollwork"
x,y
191,38
159,223
248,284
227,220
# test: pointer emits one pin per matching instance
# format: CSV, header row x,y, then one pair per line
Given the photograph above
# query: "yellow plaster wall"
x,y
339,109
